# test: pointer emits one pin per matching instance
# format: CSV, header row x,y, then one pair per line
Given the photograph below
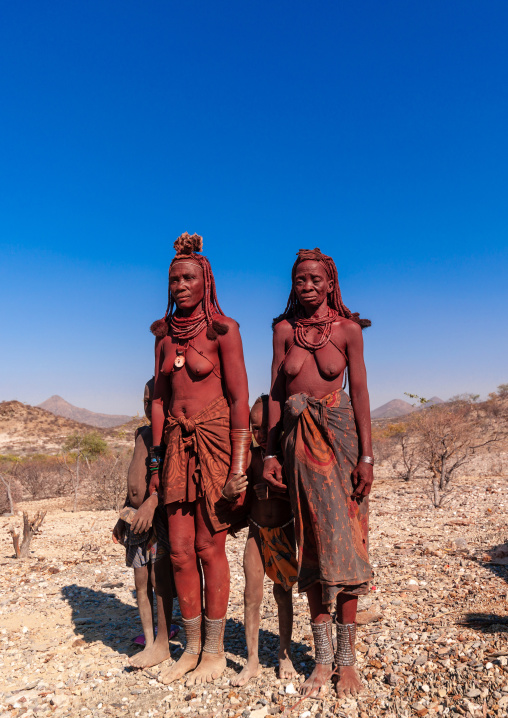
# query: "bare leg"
x,y
252,597
211,550
348,682
182,536
144,598
284,601
316,683
158,651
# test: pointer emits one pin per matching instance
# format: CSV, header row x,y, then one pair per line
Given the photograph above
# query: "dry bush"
x,y
16,490
43,477
108,476
11,491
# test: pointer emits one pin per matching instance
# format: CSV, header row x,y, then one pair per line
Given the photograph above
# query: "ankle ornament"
x,y
345,654
214,635
323,647
192,628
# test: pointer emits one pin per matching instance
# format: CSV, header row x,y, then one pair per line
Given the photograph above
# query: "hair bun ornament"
x,y
188,243
159,328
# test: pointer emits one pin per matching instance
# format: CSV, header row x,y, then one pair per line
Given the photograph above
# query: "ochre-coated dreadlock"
x,y
334,298
187,246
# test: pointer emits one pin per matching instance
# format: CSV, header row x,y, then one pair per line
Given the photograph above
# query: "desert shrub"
x,y
108,476
43,477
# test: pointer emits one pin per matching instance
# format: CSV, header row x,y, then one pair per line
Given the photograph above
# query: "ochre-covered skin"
x,y
212,368
297,370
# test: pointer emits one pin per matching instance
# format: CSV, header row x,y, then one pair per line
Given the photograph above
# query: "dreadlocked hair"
x,y
334,298
187,246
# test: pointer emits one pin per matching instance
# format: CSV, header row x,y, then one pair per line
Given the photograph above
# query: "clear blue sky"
x,y
374,130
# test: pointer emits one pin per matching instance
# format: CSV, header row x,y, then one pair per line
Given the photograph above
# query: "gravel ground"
x,y
68,616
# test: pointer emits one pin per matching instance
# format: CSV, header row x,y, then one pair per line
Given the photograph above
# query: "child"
x,y
270,548
147,550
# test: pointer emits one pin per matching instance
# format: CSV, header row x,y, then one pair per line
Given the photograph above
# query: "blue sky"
x,y
376,131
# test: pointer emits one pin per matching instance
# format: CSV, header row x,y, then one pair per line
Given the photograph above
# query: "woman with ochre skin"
x,y
327,458
200,408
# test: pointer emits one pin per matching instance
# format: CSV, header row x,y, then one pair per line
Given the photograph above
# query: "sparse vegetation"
x,y
436,441
81,447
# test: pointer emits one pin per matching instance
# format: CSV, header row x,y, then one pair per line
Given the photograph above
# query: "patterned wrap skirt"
x,y
320,448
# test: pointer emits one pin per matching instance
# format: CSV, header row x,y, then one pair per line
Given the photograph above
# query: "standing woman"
x,y
327,452
200,416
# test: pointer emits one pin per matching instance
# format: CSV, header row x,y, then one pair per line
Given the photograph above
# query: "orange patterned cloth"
x,y
198,456
279,555
320,452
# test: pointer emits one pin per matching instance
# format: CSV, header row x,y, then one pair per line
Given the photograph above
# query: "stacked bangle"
x,y
367,460
240,444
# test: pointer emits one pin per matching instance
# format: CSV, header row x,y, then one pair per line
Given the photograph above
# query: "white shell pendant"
x,y
179,361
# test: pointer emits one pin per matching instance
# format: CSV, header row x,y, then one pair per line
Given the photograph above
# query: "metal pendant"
x,y
179,362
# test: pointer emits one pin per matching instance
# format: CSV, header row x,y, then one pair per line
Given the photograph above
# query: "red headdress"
x,y
335,303
187,247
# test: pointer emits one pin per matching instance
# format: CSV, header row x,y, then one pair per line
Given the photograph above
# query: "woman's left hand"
x,y
234,487
363,476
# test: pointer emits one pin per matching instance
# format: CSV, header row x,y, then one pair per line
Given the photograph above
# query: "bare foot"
x,y
286,668
348,682
250,670
316,683
364,617
187,662
211,666
151,655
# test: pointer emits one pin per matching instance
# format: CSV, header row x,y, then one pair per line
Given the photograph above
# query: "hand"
x,y
144,515
117,531
362,477
272,474
234,486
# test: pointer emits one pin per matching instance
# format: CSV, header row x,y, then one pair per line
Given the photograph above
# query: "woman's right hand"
x,y
272,474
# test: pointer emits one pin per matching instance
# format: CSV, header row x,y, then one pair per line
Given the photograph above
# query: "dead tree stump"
x,y
30,528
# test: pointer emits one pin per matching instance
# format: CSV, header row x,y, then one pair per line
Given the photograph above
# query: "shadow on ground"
x,y
100,616
485,622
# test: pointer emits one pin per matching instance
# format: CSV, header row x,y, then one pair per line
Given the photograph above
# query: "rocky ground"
x,y
68,616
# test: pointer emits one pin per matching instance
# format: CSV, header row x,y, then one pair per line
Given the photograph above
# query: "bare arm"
x,y
235,376
363,475
272,472
158,395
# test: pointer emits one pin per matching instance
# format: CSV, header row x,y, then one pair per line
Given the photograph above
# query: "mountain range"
x,y
58,406
399,407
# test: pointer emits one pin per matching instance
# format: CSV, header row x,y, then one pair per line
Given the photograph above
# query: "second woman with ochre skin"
x,y
327,453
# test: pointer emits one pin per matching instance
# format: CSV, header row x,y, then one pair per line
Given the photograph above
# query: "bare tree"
x,y
81,447
108,476
11,490
447,435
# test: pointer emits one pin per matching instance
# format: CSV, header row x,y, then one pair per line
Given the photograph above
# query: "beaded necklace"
x,y
323,324
184,328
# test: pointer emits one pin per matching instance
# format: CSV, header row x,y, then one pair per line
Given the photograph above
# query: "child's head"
x,y
259,420
147,398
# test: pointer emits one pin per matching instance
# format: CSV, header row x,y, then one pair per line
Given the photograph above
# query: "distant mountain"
x,y
434,400
398,407
58,406
393,409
